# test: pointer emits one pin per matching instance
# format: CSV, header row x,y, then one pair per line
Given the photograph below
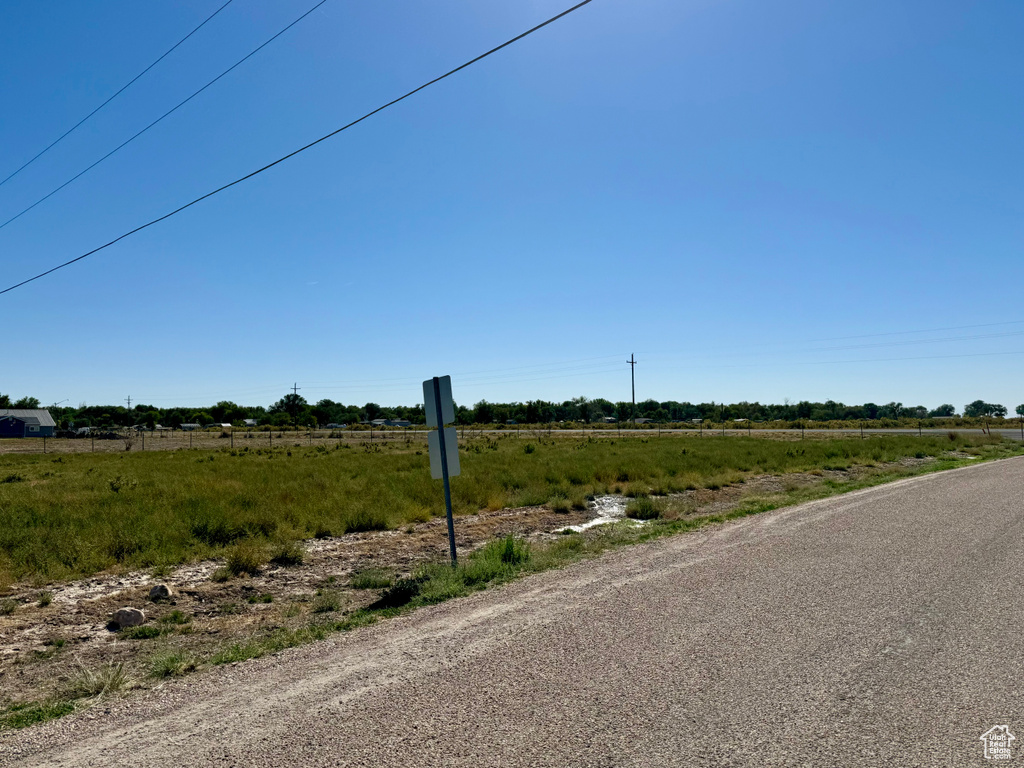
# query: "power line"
x,y
169,112
117,93
923,330
292,154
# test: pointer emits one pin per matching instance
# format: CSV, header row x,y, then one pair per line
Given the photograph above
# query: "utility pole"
x,y
129,402
296,388
632,377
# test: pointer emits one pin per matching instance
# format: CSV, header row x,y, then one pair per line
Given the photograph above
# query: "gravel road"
x,y
879,628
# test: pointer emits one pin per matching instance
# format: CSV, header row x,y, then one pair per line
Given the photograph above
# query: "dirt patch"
x,y
57,631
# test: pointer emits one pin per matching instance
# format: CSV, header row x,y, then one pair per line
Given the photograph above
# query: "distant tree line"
x,y
294,410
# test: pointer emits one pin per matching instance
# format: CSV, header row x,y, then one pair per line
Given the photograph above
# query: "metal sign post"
x,y
442,443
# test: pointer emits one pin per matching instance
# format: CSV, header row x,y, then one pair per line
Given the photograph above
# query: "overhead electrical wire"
x,y
117,93
923,330
166,114
292,154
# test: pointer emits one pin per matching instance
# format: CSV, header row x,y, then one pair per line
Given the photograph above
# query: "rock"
x,y
129,617
160,592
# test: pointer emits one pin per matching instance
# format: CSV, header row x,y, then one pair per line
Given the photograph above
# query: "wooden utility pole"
x,y
632,378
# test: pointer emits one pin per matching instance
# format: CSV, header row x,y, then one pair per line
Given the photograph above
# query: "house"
x,y
225,426
642,421
397,423
608,419
26,422
379,422
250,423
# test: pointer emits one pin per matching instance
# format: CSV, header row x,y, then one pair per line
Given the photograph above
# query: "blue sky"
x,y
762,201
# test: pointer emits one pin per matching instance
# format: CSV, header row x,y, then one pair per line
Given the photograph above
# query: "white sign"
x,y
430,401
997,742
451,446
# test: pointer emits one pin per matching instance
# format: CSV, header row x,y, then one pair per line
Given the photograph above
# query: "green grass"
x,y
93,512
31,713
371,578
172,663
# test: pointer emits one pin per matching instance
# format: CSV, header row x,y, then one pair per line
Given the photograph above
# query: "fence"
x,y
238,439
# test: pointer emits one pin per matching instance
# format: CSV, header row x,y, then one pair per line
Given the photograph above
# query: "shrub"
x,y
288,555
643,508
265,598
45,598
14,478
363,520
560,506
246,557
8,606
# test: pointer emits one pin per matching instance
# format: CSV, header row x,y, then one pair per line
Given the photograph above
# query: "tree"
x,y
980,408
5,401
28,403
483,413
1020,410
945,410
292,404
226,412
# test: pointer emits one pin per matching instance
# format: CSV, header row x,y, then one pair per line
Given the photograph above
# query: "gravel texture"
x,y
879,628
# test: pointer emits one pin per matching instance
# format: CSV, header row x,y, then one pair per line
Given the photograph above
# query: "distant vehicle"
x,y
336,426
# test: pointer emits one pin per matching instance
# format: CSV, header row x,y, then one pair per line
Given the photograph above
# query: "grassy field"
x,y
74,515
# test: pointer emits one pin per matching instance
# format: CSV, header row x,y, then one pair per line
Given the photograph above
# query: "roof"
x,y
38,416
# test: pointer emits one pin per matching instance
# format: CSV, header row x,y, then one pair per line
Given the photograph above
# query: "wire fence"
x,y
241,439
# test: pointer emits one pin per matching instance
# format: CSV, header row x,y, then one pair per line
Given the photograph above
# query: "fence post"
x,y
44,443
